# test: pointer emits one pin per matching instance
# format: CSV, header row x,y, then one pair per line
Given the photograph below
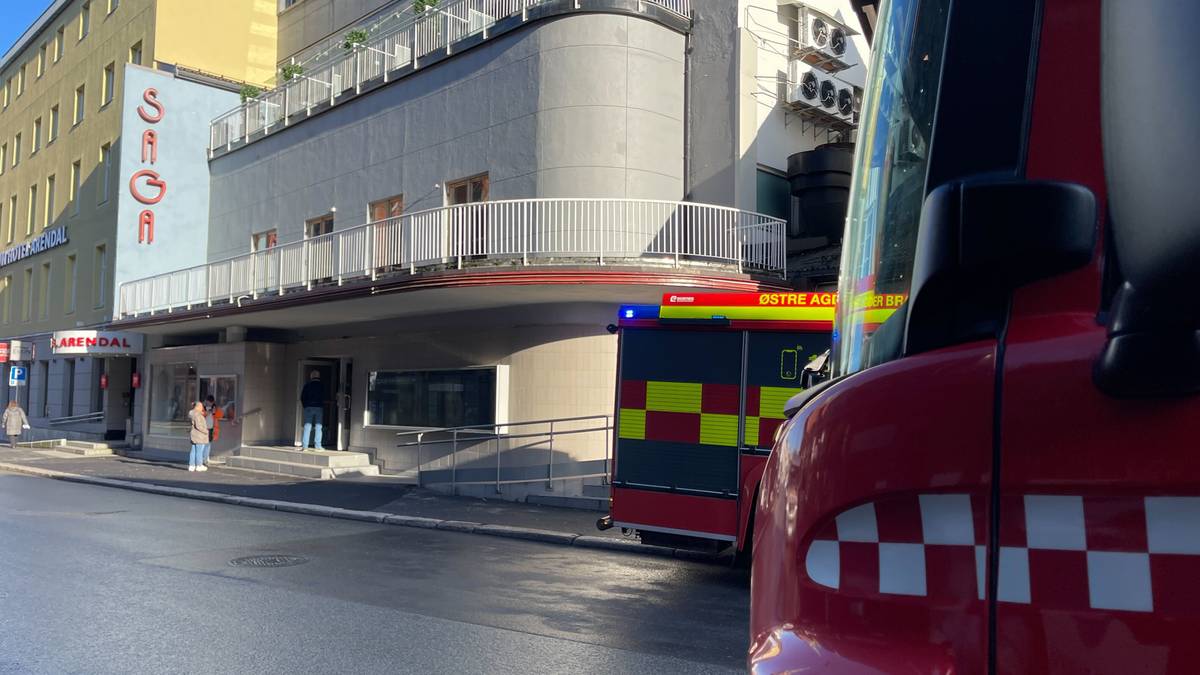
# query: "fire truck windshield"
x,y
888,187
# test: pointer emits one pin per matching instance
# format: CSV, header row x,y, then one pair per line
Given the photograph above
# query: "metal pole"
x,y
550,468
420,436
497,439
454,463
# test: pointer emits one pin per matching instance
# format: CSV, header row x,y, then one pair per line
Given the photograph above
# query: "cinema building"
x,y
440,214
80,89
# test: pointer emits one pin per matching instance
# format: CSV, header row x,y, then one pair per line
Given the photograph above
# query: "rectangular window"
x,y
262,241
319,226
33,203
432,398
44,293
7,91
105,170
173,388
52,132
41,62
21,80
59,43
112,5
12,218
16,149
3,158
386,208
80,104
71,281
27,296
43,385
99,274
135,53
75,178
774,194
85,20
37,137
108,82
49,217
6,299
468,190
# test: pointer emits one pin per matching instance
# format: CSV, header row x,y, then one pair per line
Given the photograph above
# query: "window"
x,y
319,226
85,20
112,5
37,137
75,177
21,80
99,274
774,194
386,208
432,398
135,53
468,190
108,83
263,240
27,296
52,133
71,281
44,292
7,91
173,388
17,149
59,43
43,385
105,170
41,62
12,218
6,299
3,158
33,201
49,217
80,103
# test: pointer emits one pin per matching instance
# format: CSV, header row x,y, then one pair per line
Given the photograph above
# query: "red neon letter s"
x,y
150,96
152,180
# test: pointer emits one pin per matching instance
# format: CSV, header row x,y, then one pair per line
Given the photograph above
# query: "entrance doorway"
x,y
336,377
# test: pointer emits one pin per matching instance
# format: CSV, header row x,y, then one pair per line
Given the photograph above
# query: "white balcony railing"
x,y
524,232
399,45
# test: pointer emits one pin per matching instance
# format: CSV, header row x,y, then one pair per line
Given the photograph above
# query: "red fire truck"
x,y
702,380
1000,477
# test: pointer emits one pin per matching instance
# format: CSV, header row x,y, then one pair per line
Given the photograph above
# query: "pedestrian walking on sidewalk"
x,y
14,422
210,408
198,457
312,400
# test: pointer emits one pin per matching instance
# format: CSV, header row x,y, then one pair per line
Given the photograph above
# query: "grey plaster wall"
x,y
306,22
713,102
584,105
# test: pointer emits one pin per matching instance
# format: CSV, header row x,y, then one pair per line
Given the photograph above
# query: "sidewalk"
x,y
362,496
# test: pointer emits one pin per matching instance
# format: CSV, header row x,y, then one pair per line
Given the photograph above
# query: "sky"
x,y
15,17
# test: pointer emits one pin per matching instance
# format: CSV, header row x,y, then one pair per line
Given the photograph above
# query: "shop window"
x,y
174,388
432,398
386,208
223,389
99,368
261,241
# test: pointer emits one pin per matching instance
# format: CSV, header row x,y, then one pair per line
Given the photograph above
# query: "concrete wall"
x,y
585,105
311,20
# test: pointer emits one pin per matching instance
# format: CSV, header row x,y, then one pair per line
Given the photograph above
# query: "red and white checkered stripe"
x,y
1056,551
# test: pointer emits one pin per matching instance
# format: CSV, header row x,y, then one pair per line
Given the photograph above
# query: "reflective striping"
x,y
718,429
946,519
681,397
773,399
1119,580
1013,578
1173,525
902,569
823,563
631,424
751,436
858,524
1055,522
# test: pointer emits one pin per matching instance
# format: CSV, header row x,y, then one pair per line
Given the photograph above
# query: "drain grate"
x,y
269,561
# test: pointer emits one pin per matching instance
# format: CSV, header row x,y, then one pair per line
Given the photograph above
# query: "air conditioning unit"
x,y
821,97
822,40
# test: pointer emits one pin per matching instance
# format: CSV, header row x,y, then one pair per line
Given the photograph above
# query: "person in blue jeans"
x,y
312,400
198,457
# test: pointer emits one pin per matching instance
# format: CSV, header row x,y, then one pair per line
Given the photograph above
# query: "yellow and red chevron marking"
x,y
701,413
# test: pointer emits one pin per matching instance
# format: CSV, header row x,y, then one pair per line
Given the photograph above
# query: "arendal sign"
x,y
95,342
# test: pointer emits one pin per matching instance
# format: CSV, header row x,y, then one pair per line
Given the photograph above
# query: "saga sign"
x,y
96,343
145,185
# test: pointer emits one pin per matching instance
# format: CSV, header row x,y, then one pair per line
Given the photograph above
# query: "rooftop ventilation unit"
x,y
822,40
824,99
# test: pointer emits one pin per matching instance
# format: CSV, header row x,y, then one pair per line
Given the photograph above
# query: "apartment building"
x,y
439,210
72,85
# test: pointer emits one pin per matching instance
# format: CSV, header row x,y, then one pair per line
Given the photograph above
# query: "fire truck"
x,y
1001,476
702,382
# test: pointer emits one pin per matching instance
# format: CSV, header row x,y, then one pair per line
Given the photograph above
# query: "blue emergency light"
x,y
629,312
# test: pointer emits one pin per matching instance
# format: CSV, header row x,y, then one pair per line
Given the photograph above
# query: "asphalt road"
x,y
100,580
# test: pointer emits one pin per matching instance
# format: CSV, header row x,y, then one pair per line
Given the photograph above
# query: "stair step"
x,y
298,469
85,449
327,459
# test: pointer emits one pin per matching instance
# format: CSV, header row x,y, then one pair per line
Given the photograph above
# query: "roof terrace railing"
x,y
522,232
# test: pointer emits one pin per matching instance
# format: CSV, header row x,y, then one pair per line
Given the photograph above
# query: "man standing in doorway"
x,y
312,400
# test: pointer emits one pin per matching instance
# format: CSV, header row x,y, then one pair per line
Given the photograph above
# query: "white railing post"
x,y
372,269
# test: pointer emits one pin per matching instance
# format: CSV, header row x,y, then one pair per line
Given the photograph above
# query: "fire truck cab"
x,y
1000,477
702,383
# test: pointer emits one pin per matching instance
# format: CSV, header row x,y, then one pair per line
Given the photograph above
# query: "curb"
x,y
506,531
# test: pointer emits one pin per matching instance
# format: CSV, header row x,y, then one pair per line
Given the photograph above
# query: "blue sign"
x,y
43,242
17,376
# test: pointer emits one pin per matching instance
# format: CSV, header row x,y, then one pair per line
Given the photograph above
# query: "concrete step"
x,y
325,458
81,448
299,469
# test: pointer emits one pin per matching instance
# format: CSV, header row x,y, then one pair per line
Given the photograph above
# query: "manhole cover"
x,y
269,561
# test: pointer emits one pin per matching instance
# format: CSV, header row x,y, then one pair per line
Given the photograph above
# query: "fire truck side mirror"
x,y
1149,52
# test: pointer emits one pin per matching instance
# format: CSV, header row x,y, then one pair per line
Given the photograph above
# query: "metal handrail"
x,y
525,232
405,44
71,419
485,433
